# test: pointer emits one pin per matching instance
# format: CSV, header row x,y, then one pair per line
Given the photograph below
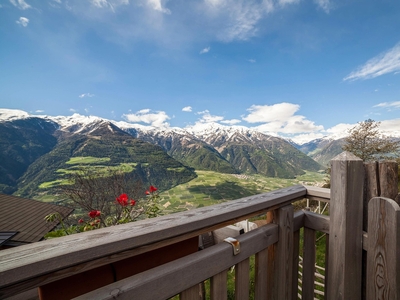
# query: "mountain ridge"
x,y
226,149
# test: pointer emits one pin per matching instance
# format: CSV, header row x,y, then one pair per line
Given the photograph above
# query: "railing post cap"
x,y
346,156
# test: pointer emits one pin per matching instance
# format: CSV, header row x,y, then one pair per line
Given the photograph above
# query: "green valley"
x,y
210,188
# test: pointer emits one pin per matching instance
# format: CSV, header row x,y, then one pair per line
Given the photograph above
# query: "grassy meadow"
x,y
212,188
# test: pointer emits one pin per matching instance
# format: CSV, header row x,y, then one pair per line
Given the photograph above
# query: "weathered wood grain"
x,y
326,266
308,263
29,266
318,193
261,280
284,265
388,179
219,288
383,269
298,220
170,279
295,272
381,180
192,293
371,188
317,222
242,280
345,232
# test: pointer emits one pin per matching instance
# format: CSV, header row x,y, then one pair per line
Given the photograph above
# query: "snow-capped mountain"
x,y
227,149
230,149
37,150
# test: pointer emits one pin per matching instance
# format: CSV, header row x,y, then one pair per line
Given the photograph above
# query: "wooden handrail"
x,y
318,193
168,277
36,264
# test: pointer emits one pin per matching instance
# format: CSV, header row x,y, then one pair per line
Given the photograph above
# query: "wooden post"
x,y
345,234
308,263
261,274
193,293
383,268
295,272
280,257
381,180
242,280
388,179
218,286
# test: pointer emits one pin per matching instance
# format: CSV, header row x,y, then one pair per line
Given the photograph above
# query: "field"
x,y
212,188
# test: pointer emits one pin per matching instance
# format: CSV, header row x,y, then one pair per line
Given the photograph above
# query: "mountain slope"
x,y
98,139
22,141
324,154
184,147
250,151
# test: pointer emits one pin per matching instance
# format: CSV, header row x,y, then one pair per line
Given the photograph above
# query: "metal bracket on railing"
x,y
235,244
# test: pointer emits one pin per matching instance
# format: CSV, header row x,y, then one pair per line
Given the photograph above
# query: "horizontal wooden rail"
x,y
168,277
36,264
316,221
318,194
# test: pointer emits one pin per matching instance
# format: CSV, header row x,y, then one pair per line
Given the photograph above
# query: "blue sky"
x,y
295,68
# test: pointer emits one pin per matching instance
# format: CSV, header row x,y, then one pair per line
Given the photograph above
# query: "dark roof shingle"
x,y
26,216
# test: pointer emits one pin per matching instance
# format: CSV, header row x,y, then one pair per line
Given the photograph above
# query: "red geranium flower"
x,y
123,199
81,221
94,213
152,190
133,202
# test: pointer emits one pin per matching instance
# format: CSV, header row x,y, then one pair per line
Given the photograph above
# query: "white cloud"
x,y
21,4
280,118
158,6
325,5
111,4
390,127
231,122
251,61
232,20
340,130
187,109
144,111
389,105
208,118
86,95
270,113
22,21
205,50
156,119
39,111
384,63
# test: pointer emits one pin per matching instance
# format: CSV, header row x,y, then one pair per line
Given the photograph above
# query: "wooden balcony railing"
x,y
276,247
